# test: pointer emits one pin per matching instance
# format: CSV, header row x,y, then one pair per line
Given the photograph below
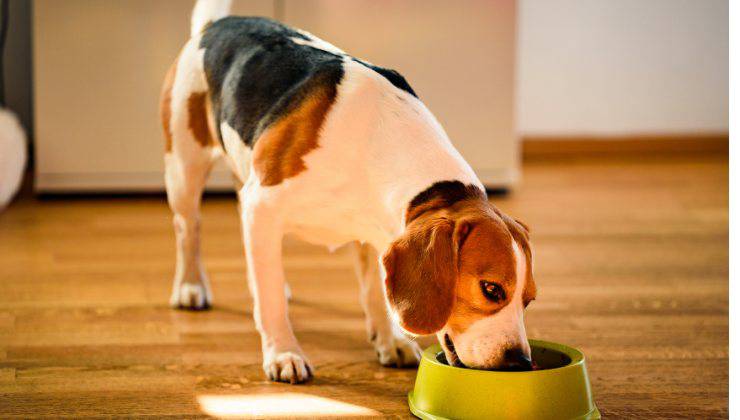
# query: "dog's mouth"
x,y
451,354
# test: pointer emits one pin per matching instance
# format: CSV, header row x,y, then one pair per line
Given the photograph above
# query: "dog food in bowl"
x,y
542,359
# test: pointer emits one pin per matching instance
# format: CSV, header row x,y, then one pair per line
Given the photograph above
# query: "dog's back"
x,y
259,71
253,80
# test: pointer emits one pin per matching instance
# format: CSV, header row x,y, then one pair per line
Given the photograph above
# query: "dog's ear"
x,y
518,229
520,232
421,272
523,225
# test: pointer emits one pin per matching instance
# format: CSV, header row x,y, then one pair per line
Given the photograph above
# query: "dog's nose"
x,y
515,359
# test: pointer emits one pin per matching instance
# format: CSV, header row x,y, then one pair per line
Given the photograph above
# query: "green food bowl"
x,y
559,389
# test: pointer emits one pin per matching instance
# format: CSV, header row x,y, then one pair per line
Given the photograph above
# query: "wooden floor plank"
x,y
631,266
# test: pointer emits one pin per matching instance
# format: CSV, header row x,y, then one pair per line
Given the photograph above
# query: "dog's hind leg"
x,y
391,345
185,181
189,154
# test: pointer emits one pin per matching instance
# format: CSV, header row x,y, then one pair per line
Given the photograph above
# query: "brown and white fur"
x,y
370,165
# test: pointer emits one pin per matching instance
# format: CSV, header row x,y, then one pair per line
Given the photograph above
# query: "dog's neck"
x,y
424,164
443,195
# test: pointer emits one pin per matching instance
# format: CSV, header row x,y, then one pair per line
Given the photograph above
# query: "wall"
x,y
17,62
98,72
604,67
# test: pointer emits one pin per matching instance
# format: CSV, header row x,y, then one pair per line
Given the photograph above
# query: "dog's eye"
x,y
492,291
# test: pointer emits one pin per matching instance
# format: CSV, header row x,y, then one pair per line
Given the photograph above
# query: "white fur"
x,y
263,231
12,156
317,43
482,344
237,152
207,11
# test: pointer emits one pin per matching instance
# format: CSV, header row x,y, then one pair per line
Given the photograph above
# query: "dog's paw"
x,y
288,366
195,297
397,352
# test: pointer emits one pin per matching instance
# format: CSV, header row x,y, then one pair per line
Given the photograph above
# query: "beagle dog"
x,y
337,150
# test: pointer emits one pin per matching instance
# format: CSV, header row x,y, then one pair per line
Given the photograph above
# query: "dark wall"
x,y
18,63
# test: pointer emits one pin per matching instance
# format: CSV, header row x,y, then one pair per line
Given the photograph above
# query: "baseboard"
x,y
114,182
547,146
500,178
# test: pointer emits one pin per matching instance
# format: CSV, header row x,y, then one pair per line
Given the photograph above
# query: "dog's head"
x,y
464,273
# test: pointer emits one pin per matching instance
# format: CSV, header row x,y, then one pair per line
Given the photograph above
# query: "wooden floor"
x,y
631,266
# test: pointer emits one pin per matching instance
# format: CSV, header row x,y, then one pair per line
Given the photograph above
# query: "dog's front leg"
x,y
283,359
391,345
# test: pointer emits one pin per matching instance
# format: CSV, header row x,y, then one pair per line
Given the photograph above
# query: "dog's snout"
x,y
515,359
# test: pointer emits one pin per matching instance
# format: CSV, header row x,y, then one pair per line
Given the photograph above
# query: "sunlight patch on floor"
x,y
278,405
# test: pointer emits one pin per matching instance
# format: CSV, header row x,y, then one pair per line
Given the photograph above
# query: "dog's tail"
x,y
207,11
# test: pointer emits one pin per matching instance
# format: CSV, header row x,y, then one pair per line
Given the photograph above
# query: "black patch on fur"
x,y
393,76
447,193
256,74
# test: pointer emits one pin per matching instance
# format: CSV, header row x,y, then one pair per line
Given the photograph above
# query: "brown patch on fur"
x,y
279,151
165,105
198,121
211,121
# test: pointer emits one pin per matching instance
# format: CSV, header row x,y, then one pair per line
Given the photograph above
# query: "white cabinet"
x,y
99,64
98,71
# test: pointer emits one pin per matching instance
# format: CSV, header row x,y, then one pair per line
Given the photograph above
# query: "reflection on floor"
x,y
279,405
